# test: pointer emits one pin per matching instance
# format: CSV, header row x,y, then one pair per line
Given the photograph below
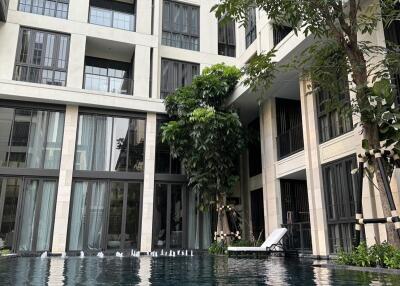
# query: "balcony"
x,y
113,14
106,83
290,142
3,10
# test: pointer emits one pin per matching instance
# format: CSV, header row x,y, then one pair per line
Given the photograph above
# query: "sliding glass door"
x,y
105,215
169,220
27,209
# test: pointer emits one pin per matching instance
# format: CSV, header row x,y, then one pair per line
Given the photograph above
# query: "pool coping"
x,y
359,268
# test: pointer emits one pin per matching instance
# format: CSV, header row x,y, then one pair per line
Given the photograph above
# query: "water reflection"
x,y
198,270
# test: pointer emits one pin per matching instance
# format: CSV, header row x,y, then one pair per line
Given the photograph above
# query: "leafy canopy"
x,y
206,134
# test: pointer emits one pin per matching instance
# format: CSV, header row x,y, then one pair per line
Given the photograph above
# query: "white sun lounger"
x,y
273,243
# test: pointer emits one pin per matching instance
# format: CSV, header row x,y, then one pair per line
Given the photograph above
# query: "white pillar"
x,y
271,185
319,230
143,16
65,180
148,185
142,71
76,63
79,11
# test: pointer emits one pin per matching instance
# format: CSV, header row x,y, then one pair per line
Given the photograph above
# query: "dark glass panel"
x,y
160,216
176,216
20,138
136,145
115,215
132,216
119,144
6,120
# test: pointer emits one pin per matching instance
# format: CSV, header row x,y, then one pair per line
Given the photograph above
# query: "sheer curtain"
x,y
55,132
102,144
85,145
78,216
96,216
28,215
37,139
46,215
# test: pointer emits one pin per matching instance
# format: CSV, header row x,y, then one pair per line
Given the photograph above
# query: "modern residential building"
x,y
82,165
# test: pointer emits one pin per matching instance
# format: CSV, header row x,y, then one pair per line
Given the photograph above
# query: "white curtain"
x,y
96,216
37,139
55,132
28,216
46,216
78,216
84,158
102,144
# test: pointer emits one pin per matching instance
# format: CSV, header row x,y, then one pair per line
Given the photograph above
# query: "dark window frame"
x,y
280,32
105,223
43,8
225,47
54,68
332,124
193,31
164,92
340,202
251,27
111,174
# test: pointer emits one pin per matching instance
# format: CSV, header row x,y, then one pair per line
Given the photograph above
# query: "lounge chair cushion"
x,y
274,238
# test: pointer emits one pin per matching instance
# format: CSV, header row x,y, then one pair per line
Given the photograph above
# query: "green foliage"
x,y
379,255
217,248
243,243
5,252
206,134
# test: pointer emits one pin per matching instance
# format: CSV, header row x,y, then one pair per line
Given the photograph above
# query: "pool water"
x,y
197,270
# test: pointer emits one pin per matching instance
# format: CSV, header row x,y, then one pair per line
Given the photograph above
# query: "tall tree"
x,y
207,136
338,26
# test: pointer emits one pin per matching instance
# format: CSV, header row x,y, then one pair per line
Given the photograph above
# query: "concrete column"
x,y
148,185
143,16
271,185
79,11
319,230
65,180
76,63
9,39
142,72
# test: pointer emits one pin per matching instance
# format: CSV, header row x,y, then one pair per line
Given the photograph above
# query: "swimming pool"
x,y
197,270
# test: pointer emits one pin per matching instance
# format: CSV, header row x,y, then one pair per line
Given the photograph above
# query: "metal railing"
x,y
298,237
290,142
108,84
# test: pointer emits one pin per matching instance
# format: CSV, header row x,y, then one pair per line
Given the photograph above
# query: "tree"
x,y
207,136
337,26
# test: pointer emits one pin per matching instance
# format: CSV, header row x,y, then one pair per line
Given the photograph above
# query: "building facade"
x,y
82,165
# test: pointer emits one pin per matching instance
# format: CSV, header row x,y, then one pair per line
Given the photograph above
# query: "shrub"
x,y
379,255
217,247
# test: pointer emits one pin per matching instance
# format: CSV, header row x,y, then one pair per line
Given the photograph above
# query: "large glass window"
x,y
176,74
104,215
115,14
181,25
227,39
108,76
42,57
339,190
30,138
53,8
332,122
251,27
165,163
29,226
106,143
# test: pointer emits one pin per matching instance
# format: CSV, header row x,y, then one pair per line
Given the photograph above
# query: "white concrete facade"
x,y
144,46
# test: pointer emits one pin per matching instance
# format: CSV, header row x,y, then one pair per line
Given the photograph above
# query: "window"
x,y
27,213
53,8
181,25
42,57
114,19
30,138
254,148
108,76
106,143
251,27
339,190
280,32
165,163
104,215
332,123
227,39
176,74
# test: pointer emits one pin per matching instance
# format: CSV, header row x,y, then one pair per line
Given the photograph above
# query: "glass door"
x,y
169,220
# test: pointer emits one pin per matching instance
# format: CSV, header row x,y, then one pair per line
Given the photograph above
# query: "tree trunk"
x,y
372,135
222,222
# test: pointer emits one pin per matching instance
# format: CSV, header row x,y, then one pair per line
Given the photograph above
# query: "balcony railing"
x,y
290,142
298,237
113,19
108,84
